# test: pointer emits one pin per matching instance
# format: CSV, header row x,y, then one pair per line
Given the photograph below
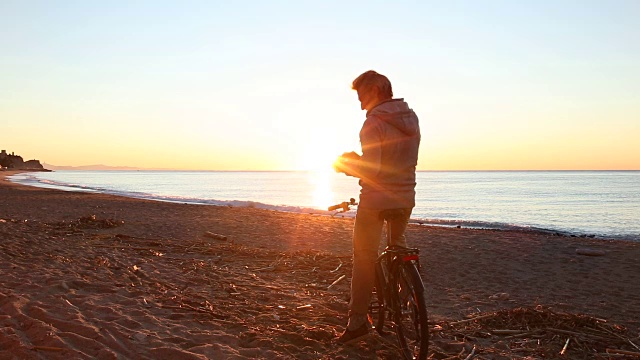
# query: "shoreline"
x,y
101,276
466,224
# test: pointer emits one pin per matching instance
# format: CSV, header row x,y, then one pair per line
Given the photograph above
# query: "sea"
x,y
600,204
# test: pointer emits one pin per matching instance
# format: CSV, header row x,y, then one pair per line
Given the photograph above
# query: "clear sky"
x,y
265,85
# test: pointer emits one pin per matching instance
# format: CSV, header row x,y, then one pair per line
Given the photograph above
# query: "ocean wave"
x,y
31,180
485,225
34,180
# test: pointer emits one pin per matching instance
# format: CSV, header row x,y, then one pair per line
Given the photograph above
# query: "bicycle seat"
x,y
391,214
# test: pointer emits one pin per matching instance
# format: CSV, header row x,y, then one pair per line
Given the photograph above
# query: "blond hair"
x,y
370,79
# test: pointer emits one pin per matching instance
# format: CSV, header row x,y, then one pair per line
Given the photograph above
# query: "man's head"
x,y
372,88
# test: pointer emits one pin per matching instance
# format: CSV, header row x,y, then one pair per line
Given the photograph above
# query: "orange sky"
x,y
544,85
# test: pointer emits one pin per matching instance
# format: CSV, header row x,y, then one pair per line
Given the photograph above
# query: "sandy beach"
x,y
92,276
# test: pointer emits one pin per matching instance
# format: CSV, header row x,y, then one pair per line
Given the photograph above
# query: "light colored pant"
x,y
367,233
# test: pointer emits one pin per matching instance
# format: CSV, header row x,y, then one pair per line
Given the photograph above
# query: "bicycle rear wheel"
x,y
410,316
377,308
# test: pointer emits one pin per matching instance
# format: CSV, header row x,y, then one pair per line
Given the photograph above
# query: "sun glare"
x,y
317,161
322,195
317,158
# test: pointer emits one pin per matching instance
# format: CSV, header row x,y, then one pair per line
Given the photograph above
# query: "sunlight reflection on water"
x,y
322,195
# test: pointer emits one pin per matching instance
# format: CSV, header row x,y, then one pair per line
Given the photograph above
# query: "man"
x,y
390,138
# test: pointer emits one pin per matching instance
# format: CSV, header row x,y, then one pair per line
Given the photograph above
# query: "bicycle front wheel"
x,y
410,315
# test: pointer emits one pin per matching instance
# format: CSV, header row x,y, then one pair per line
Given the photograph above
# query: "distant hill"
x,y
90,167
16,162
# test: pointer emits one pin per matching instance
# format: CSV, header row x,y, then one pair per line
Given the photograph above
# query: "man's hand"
x,y
350,156
345,163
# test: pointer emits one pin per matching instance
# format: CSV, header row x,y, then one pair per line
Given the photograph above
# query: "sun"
x,y
317,157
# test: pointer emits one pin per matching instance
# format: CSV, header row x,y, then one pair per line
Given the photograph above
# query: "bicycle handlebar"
x,y
345,205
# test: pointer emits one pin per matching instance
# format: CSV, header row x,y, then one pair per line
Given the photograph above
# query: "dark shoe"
x,y
351,336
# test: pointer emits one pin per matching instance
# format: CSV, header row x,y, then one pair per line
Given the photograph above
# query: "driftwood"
x,y
508,332
564,348
471,354
472,319
337,281
338,268
47,348
590,252
539,331
623,352
215,236
123,247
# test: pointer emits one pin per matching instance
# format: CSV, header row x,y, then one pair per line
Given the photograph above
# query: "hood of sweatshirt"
x,y
396,112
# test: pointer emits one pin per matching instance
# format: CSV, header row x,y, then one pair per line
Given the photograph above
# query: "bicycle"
x,y
398,296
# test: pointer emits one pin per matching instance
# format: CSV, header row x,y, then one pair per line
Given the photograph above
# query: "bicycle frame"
x,y
394,255
400,255
389,261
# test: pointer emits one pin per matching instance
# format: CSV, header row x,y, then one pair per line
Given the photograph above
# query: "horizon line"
x,y
133,168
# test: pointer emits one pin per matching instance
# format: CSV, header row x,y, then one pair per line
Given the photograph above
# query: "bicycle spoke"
x,y
410,315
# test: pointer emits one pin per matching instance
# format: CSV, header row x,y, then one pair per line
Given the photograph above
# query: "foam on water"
x,y
602,204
